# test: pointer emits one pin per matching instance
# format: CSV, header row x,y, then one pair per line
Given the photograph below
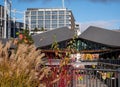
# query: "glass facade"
x,y
48,18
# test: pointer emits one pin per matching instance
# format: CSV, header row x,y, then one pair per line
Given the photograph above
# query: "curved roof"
x,y
48,37
102,36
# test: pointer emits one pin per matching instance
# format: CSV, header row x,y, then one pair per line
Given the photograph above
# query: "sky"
x,y
100,13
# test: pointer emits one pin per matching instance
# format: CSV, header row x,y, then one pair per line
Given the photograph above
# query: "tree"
x,y
36,29
42,29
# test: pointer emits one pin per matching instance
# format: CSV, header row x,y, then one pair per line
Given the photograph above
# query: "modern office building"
x,y
16,27
1,20
5,23
49,18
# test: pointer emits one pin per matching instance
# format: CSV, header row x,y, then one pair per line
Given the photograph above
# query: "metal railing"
x,y
93,78
96,78
103,76
111,61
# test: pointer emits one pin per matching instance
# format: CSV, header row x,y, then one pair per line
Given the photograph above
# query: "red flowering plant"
x,y
62,71
24,37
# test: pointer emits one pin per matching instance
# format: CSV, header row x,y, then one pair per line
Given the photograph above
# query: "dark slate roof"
x,y
4,41
48,37
102,36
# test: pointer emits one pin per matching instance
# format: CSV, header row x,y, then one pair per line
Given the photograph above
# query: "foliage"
x,y
42,29
24,37
64,69
36,29
22,67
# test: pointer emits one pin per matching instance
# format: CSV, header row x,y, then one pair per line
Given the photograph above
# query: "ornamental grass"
x,y
22,66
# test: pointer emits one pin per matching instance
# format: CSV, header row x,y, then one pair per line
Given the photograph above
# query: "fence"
x,y
96,78
111,61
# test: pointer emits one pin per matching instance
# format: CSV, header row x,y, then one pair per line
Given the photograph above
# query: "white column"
x,y
24,20
5,16
29,19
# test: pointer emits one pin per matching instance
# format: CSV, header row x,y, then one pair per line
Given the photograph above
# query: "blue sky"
x,y
101,13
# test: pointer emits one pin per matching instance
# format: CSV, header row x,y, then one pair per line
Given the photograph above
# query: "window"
x,y
40,12
67,16
61,21
47,21
67,21
61,25
27,17
40,22
33,17
27,22
67,12
54,16
33,12
47,16
61,17
67,25
54,25
47,26
40,25
47,13
33,26
61,12
40,17
27,13
54,12
33,22
54,21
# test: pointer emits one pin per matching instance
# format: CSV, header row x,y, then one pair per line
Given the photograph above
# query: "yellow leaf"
x,y
80,78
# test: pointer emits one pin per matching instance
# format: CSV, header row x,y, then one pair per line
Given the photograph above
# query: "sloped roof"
x,y
48,37
102,36
4,41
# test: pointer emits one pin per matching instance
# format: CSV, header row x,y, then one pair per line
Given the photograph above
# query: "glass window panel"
x,y
61,16
40,12
54,21
40,21
33,26
67,12
40,17
67,21
27,22
61,12
47,16
47,13
47,21
54,16
61,21
54,12
33,17
67,16
27,13
40,26
54,25
33,12
47,26
67,25
61,25
33,22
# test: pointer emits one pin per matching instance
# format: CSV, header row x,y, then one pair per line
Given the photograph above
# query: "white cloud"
x,y
103,24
